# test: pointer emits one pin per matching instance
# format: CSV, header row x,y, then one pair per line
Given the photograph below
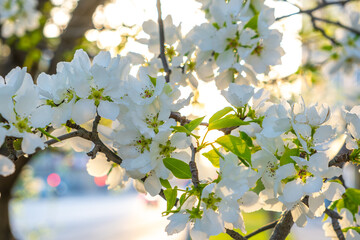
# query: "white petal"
x,y
152,185
83,110
109,110
102,59
42,116
98,166
116,177
313,184
177,223
352,235
333,191
293,191
7,167
299,216
31,142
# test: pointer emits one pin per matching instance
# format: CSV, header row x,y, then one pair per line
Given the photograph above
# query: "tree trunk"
x,y
6,184
5,230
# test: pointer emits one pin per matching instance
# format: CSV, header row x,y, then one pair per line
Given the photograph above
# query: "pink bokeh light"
x,y
53,180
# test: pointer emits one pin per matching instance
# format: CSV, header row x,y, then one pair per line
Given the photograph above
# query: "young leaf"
x,y
226,122
353,194
179,168
165,183
193,124
237,146
220,114
170,195
286,157
247,139
184,130
213,157
252,23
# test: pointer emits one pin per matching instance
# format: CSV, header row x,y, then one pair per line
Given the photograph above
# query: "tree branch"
x,y
235,235
318,7
193,168
101,147
162,43
335,223
262,229
283,227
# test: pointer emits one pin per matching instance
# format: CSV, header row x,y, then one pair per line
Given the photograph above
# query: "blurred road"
x,y
91,218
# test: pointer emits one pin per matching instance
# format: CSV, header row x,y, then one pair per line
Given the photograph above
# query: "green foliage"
x,y
170,195
253,23
220,114
227,122
179,168
165,183
213,157
194,124
350,200
286,157
237,146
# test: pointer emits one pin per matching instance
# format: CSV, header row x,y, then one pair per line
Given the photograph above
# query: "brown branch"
x,y
318,7
162,55
193,169
262,229
322,31
100,146
337,23
283,227
335,223
63,137
235,235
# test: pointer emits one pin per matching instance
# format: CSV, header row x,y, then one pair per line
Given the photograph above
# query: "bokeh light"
x,y
53,180
100,181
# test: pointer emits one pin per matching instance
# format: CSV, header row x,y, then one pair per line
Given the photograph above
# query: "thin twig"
x,y
262,229
318,7
162,43
322,31
337,23
235,235
335,223
101,147
63,137
193,169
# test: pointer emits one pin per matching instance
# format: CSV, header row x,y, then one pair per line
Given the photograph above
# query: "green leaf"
x,y
226,122
247,139
286,157
48,134
346,202
213,157
253,22
182,198
153,80
170,195
353,194
193,124
165,183
327,47
220,114
237,146
179,168
184,130
353,228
